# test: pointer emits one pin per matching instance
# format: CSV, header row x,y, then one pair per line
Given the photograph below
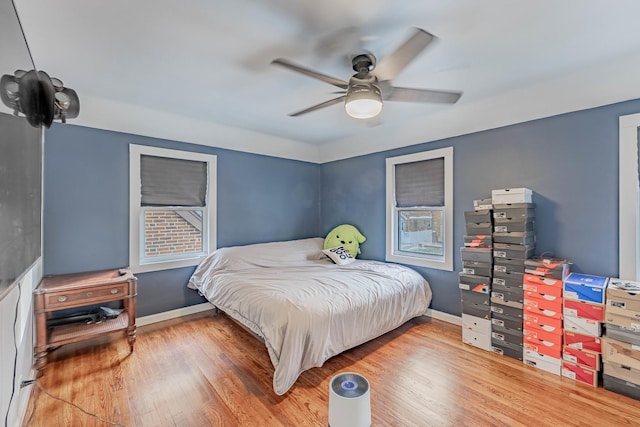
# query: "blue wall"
x,y
569,161
86,206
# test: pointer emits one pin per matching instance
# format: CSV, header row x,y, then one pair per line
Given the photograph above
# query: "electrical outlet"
x,y
26,383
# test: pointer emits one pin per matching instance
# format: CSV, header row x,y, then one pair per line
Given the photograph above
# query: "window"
x,y
172,208
420,209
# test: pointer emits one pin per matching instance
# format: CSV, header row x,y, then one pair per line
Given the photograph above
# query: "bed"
x,y
305,308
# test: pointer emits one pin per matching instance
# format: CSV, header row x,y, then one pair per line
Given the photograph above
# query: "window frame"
x,y
137,261
393,254
629,198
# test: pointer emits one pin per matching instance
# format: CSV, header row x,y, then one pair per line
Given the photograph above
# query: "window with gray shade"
x,y
172,182
419,205
172,207
420,183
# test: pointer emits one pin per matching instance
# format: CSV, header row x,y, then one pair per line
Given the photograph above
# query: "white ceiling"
x,y
199,70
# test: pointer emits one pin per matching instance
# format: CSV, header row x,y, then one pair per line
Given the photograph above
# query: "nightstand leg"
x,y
131,337
41,361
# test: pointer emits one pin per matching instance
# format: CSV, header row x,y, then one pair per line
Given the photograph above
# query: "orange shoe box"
x,y
542,285
582,342
543,335
542,323
548,348
551,302
582,358
578,373
534,308
548,282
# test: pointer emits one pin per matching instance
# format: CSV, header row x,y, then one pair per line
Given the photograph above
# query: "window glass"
x,y
169,232
420,231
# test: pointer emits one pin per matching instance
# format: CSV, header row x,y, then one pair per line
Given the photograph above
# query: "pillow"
x,y
300,252
272,254
339,255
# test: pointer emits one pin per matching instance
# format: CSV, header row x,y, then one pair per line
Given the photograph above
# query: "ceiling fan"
x,y
371,84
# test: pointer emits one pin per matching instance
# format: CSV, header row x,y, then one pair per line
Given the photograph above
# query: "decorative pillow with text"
x,y
339,255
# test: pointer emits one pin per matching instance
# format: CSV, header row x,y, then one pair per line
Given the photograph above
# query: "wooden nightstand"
x,y
79,290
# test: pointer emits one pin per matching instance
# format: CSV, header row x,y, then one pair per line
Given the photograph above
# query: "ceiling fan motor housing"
x,y
364,63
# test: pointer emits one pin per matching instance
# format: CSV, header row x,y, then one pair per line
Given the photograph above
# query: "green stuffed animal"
x,y
345,235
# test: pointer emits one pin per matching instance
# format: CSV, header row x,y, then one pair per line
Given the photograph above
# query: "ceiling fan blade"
x,y
392,64
405,94
323,77
319,106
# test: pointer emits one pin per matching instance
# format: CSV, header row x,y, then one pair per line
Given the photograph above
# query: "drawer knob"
x,y
89,294
114,291
62,298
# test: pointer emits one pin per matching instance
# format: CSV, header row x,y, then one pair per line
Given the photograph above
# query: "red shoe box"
x,y
582,358
584,309
582,342
578,373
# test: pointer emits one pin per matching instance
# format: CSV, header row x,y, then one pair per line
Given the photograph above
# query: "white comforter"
x,y
312,309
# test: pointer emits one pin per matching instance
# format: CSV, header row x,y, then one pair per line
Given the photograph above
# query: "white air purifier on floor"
x,y
349,401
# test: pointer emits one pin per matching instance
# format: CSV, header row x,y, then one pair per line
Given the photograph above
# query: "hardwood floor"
x,y
204,370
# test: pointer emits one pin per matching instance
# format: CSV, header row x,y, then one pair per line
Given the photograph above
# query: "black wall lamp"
x,y
42,99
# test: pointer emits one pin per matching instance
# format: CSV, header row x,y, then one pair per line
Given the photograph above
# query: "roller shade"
x,y
172,182
420,183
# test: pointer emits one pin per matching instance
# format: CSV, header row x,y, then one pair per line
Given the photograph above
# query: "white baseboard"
x,y
172,314
445,317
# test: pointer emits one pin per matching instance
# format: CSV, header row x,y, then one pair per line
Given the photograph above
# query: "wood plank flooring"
x,y
204,370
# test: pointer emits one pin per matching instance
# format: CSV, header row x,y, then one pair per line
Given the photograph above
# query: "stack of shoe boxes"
x,y
621,348
513,243
475,279
584,312
543,279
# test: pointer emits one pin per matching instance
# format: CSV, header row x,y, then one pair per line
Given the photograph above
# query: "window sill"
x,y
166,265
420,262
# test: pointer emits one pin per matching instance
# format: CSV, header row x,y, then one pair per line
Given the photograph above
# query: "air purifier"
x,y
349,401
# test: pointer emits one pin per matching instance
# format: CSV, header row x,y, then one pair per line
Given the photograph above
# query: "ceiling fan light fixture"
x,y
363,102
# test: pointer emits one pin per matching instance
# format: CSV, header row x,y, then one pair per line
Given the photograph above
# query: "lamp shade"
x,y
363,102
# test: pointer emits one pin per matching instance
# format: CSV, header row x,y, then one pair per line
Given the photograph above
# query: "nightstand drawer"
x,y
87,296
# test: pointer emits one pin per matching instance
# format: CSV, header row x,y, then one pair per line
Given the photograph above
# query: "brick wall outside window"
x,y
167,233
